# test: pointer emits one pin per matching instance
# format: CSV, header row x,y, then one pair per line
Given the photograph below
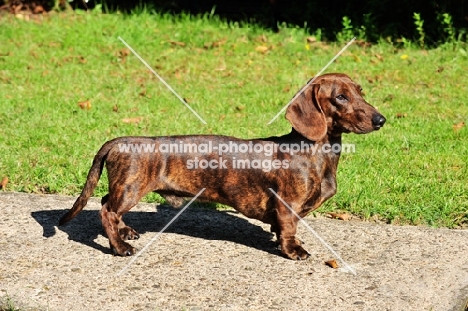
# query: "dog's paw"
x,y
128,233
174,201
123,249
294,251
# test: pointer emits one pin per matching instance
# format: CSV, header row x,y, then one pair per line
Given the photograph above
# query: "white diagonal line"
x,y
160,232
313,79
162,80
315,233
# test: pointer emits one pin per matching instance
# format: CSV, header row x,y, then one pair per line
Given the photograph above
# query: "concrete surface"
x,y
219,260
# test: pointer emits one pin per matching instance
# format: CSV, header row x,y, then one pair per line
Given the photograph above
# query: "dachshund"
x,y
300,167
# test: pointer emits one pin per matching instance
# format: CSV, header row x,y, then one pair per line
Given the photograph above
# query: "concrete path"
x,y
219,260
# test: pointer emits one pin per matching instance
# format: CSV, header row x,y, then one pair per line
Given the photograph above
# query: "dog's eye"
x,y
341,97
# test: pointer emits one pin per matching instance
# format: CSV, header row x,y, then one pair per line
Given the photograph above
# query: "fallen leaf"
x,y
38,9
363,43
219,43
341,216
379,57
401,115
86,105
177,43
458,126
261,38
262,49
115,108
132,120
4,183
215,44
332,263
124,53
68,59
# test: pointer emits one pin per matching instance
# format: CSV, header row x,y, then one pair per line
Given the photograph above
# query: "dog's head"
x,y
332,104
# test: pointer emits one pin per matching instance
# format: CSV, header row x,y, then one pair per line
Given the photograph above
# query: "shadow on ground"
x,y
194,222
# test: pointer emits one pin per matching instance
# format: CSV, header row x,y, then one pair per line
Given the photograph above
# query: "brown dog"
x,y
237,172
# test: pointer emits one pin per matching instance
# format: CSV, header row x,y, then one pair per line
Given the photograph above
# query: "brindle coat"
x,y
331,105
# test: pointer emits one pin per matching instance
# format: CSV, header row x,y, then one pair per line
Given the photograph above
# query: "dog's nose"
x,y
378,121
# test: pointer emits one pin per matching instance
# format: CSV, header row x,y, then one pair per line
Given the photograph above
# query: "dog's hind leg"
x,y
115,205
125,232
110,223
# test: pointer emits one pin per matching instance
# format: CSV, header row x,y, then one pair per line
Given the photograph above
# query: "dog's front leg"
x,y
111,223
286,228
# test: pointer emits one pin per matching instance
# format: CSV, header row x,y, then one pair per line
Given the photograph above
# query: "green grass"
x,y
412,171
8,303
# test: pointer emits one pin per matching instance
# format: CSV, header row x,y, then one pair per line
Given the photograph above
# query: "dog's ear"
x,y
306,114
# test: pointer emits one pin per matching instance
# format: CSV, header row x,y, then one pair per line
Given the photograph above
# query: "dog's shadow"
x,y
195,222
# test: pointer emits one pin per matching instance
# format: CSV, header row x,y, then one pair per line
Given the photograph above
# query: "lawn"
x,y
68,84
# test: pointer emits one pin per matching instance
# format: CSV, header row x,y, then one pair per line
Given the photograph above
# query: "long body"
x,y
300,166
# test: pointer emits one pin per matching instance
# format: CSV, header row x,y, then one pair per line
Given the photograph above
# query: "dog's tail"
x,y
91,182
